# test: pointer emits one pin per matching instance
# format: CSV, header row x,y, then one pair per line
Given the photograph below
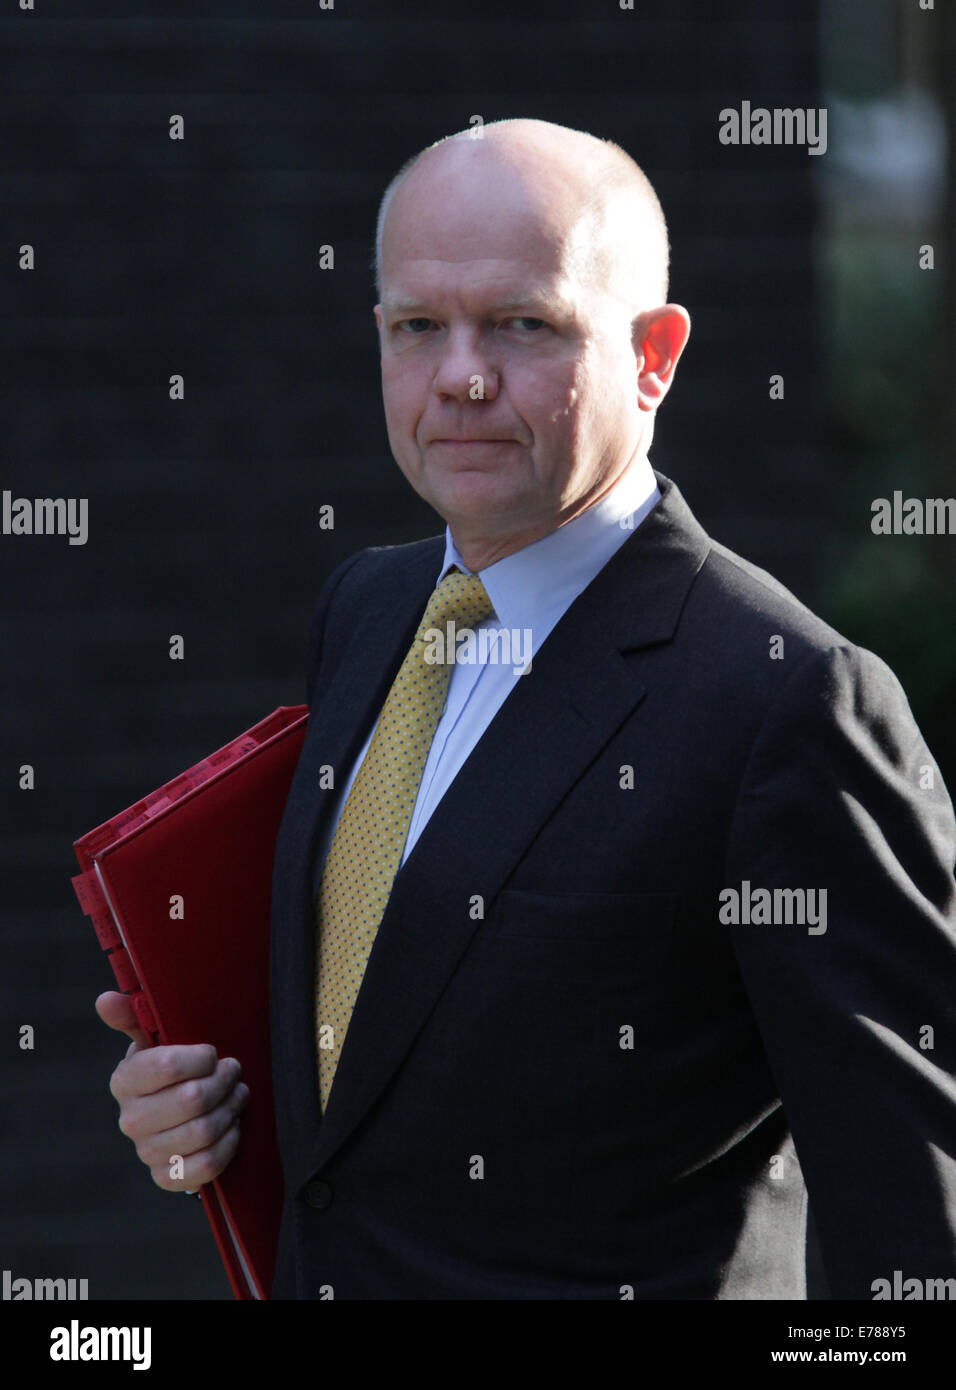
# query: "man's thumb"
x,y
116,1010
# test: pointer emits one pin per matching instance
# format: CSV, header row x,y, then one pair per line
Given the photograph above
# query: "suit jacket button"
x,y
318,1194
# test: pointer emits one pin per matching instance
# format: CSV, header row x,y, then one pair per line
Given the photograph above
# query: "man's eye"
x,y
530,324
409,325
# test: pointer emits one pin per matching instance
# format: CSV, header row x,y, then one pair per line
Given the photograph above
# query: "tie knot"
x,y
459,597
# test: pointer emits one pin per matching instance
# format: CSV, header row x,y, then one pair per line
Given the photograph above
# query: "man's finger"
x,y
116,1010
199,1168
150,1108
158,1068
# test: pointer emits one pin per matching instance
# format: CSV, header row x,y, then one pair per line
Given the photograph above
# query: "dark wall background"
x,y
200,257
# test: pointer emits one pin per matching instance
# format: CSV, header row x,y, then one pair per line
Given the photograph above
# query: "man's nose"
x,y
466,370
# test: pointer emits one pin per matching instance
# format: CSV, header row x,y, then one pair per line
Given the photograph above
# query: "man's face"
x,y
510,382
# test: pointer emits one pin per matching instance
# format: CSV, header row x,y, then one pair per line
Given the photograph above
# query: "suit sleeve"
x,y
856,1010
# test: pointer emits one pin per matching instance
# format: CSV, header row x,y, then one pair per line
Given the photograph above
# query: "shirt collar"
x,y
534,586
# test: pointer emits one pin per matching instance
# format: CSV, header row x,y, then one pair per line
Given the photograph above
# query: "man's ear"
x,y
377,311
659,336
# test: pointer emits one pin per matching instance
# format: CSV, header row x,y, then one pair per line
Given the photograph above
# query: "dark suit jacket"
x,y
488,1135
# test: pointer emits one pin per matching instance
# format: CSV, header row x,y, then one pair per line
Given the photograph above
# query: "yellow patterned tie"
x,y
367,846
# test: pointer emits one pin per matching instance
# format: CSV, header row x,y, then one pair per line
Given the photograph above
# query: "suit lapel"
x,y
553,724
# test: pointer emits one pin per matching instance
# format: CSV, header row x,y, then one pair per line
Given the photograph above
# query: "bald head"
x,y
600,201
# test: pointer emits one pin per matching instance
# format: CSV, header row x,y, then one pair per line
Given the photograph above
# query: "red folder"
x,y
179,890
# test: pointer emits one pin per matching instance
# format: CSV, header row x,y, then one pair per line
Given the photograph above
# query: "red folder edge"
x,y
287,720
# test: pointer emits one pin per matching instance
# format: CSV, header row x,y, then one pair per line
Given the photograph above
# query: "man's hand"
x,y
174,1100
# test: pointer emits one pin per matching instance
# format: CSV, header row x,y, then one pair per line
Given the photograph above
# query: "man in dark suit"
x,y
577,955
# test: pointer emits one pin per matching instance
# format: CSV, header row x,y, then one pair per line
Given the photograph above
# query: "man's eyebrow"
x,y
399,306
537,299
545,300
